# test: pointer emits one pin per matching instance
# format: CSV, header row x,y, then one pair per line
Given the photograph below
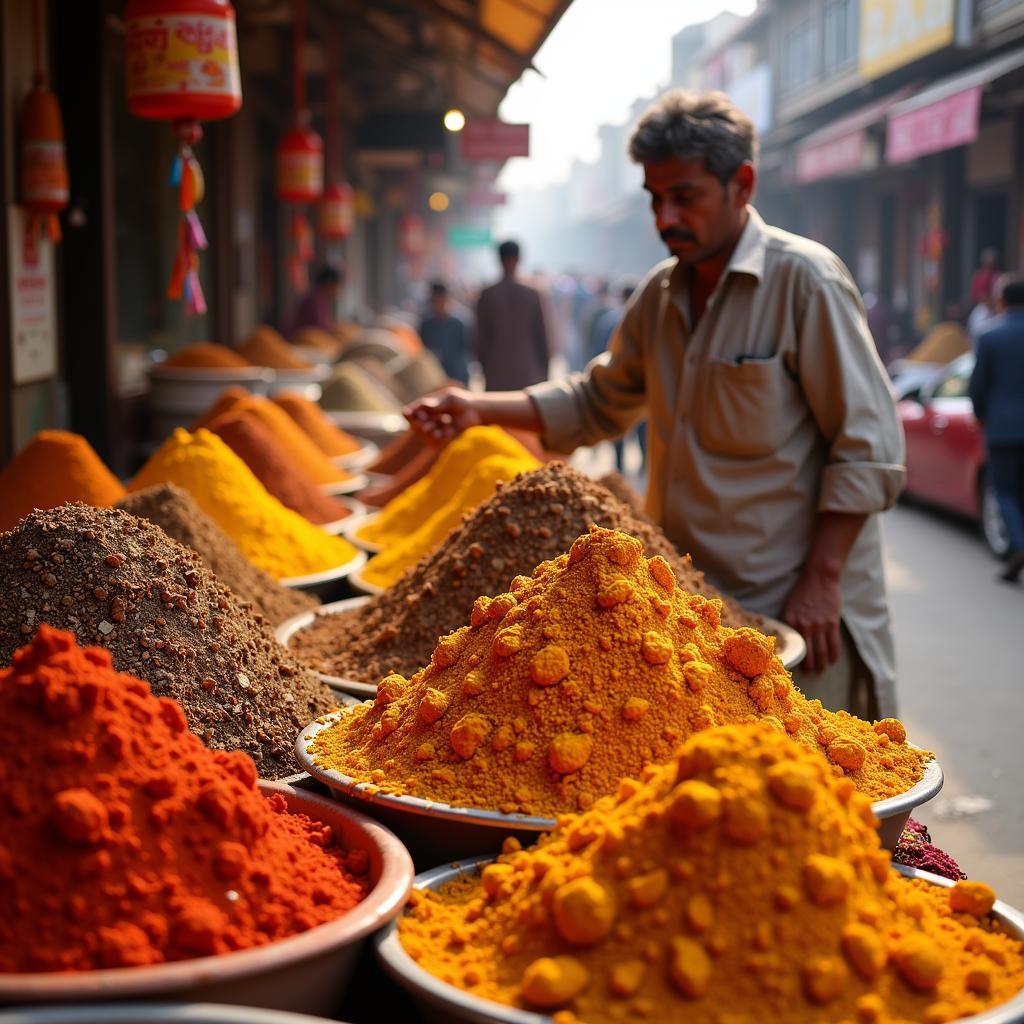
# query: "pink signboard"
x,y
487,138
949,122
827,159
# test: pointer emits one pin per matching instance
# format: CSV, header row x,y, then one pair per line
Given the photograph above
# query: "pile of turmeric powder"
x,y
278,540
53,468
742,882
593,668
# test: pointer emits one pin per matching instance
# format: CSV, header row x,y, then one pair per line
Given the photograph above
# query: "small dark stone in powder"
x,y
164,618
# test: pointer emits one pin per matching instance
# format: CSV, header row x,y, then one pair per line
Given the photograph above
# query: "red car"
x,y
946,450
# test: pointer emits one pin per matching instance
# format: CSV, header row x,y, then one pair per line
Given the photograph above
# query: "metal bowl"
x,y
306,973
354,483
154,1013
307,383
355,524
894,812
297,623
359,583
378,427
433,831
337,526
441,1001
359,459
790,646
330,584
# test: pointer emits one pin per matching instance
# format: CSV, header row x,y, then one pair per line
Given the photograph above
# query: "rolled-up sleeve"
x,y
605,400
850,398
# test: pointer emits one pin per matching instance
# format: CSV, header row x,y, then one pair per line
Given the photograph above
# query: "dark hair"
x,y
1011,289
328,275
704,126
508,251
438,288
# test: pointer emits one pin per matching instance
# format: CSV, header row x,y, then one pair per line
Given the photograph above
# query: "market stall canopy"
x,y
421,54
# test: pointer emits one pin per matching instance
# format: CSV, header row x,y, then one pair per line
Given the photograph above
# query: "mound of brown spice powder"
x,y
119,582
174,510
533,518
593,668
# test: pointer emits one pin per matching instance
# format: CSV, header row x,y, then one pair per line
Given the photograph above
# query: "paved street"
x,y
960,645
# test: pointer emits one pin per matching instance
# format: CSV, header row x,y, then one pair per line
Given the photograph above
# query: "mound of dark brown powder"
x,y
119,582
176,513
533,518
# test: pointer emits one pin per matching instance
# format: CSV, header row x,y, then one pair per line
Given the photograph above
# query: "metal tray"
x,y
330,584
355,524
350,486
359,459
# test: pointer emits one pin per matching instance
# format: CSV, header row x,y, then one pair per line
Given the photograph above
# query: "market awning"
x,y
945,114
843,147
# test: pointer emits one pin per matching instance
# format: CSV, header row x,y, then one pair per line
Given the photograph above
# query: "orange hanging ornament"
x,y
44,169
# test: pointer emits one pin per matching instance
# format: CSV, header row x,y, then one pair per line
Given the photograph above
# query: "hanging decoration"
x,y
300,162
336,212
44,169
181,61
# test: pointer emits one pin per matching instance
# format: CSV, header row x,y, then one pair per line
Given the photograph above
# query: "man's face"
x,y
439,303
696,216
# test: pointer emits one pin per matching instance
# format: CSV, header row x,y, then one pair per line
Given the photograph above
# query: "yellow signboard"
x,y
896,32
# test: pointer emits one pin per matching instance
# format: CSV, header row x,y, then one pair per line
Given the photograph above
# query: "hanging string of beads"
x,y
181,62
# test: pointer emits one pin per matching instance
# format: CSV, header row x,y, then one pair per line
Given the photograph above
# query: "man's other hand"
x,y
444,414
813,610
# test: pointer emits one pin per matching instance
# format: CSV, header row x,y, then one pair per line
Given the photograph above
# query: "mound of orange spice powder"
x,y
743,882
124,841
593,668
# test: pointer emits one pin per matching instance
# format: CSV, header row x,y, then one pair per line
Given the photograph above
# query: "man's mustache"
x,y
676,235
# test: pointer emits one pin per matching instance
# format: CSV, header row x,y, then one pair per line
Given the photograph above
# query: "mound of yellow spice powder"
x,y
278,540
593,668
478,485
417,503
743,882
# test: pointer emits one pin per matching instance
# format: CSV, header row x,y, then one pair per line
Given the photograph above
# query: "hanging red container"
x,y
181,59
412,235
300,166
44,169
336,213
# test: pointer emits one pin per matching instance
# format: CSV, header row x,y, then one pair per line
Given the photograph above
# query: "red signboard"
x,y
827,159
487,138
949,122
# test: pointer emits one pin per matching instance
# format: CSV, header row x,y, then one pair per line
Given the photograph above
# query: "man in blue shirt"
x,y
446,335
997,391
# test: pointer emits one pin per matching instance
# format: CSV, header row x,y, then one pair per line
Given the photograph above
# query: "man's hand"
x,y
813,610
444,414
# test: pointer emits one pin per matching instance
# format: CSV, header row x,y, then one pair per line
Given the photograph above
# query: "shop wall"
x,y
29,388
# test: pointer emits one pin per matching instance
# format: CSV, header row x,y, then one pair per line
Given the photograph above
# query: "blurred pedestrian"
x,y
511,332
319,306
773,433
984,278
446,335
997,391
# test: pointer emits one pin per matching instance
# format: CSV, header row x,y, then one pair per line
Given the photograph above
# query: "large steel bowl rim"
x,y
920,793
360,458
382,902
352,485
400,966
353,527
791,647
153,1013
191,374
353,565
360,583
408,804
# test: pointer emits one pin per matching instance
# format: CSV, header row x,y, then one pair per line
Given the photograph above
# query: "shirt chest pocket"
x,y
748,407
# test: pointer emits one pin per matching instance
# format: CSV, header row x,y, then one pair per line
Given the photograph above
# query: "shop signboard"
x,y
489,138
33,301
896,32
842,155
948,122
465,236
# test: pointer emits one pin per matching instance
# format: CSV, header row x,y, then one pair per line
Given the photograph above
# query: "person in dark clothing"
x,y
511,329
446,335
997,391
319,306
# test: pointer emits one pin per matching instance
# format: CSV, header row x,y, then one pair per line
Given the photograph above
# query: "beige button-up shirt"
x,y
774,408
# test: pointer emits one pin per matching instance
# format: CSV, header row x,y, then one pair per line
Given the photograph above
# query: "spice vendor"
x,y
774,441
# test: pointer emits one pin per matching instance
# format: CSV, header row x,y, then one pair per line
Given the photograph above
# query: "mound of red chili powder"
x,y
124,841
